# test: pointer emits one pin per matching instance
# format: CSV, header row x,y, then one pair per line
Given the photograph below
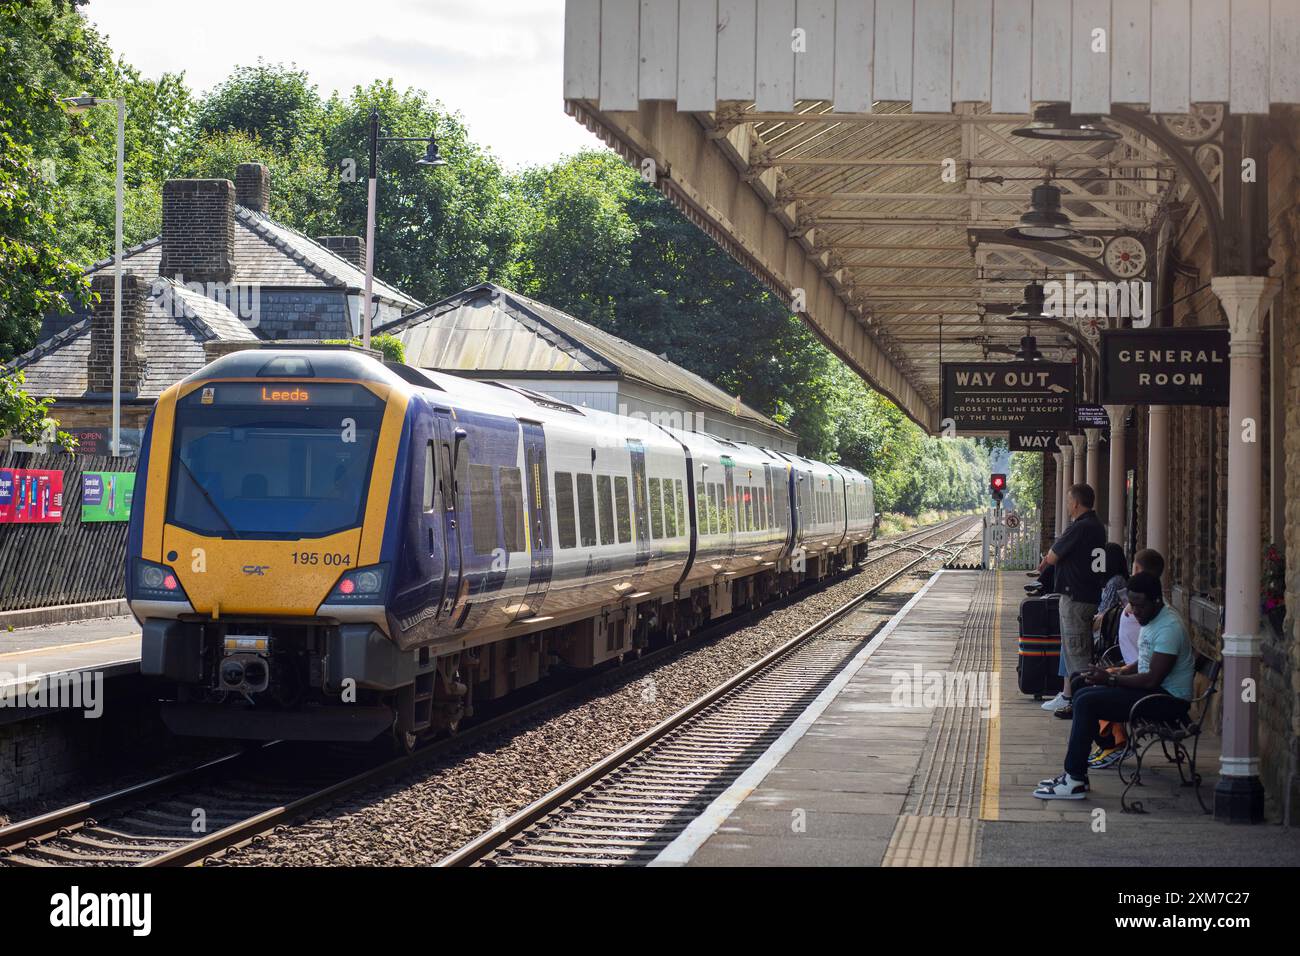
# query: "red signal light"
x,y
999,481
169,582
347,586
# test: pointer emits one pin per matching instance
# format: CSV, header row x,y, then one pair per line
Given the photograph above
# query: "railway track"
x,y
627,808
185,817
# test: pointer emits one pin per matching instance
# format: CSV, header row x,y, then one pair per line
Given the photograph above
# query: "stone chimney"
x,y
351,248
198,234
253,187
135,301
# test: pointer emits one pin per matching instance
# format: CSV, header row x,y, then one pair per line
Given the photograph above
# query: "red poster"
x,y
31,496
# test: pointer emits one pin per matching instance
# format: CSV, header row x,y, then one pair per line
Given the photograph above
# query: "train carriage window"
x,y
430,474
512,509
624,509
779,496
701,508
740,510
681,509
656,510
670,510
749,509
605,501
565,523
762,509
482,509
586,511
713,507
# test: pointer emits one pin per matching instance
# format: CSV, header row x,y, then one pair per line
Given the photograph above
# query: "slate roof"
x,y
271,254
173,344
487,328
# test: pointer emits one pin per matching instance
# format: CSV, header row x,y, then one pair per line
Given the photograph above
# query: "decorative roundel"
x,y
1125,257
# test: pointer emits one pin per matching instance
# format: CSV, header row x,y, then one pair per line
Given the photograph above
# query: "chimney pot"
x,y
253,186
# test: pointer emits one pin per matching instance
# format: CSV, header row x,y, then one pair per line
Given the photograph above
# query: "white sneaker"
x,y
1063,787
1056,703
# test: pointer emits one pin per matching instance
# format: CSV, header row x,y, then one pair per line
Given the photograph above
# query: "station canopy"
x,y
861,158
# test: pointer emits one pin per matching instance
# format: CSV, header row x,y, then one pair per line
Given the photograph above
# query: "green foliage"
x,y
269,102
1025,482
390,345
26,418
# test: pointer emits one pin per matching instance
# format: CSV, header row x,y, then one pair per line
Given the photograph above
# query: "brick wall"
x,y
135,292
253,187
351,248
198,240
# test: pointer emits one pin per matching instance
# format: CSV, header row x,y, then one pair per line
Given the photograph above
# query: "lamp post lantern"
x,y
431,157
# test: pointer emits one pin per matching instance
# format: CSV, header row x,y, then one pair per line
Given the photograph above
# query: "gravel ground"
x,y
425,815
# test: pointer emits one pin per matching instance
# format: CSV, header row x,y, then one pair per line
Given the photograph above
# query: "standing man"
x,y
1073,556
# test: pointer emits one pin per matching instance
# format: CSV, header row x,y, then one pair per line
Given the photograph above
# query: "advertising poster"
x,y
31,496
106,495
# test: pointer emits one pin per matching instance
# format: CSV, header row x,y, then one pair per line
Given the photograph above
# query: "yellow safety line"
x,y
66,647
993,733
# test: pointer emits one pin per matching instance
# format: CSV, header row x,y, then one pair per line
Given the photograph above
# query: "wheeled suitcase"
x,y
1040,646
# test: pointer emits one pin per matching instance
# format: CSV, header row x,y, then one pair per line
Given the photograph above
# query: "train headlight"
x,y
362,586
156,582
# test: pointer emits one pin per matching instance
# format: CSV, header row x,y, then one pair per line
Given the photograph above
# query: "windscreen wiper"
x,y
199,485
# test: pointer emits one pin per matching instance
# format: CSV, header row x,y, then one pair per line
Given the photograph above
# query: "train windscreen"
x,y
273,460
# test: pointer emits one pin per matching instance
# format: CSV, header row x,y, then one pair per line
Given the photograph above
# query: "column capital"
x,y
1093,436
1059,457
1078,442
1245,299
1118,414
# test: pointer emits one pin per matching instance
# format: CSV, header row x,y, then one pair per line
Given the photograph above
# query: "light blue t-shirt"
x,y
1164,634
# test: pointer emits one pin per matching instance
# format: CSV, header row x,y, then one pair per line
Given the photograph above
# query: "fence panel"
x,y
66,563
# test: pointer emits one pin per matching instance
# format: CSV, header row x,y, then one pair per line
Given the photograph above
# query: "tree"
x,y
26,418
274,103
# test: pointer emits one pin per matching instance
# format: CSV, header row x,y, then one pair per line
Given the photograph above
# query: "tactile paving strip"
x,y
938,826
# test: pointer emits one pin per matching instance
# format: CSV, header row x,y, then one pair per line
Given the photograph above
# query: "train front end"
x,y
256,559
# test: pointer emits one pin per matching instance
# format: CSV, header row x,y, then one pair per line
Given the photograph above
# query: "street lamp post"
x,y
430,158
79,104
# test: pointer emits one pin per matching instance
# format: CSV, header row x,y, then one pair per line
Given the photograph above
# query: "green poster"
x,y
106,495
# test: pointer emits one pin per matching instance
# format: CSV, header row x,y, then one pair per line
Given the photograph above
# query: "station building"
x,y
489,332
900,172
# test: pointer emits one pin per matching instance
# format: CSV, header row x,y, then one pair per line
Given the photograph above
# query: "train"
x,y
326,546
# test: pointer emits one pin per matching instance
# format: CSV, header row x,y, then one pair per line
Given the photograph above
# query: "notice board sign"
x,y
996,396
1164,366
1043,441
106,495
1091,416
31,496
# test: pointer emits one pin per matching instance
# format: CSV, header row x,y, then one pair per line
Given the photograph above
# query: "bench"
x,y
1144,733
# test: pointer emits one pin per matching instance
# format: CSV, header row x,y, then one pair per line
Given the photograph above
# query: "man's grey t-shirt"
x,y
1075,552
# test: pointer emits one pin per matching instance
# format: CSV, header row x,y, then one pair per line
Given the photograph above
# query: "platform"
x,y
874,773
108,646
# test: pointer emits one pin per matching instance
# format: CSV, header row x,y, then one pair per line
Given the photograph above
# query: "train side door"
x,y
451,440
640,496
541,556
729,483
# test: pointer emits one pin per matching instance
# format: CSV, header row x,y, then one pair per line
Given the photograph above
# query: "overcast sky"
x,y
497,62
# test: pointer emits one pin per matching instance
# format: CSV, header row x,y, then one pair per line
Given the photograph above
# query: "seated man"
x,y
1165,665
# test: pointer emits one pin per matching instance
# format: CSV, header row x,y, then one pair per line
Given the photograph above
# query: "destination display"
x,y
996,396
1164,366
1022,440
